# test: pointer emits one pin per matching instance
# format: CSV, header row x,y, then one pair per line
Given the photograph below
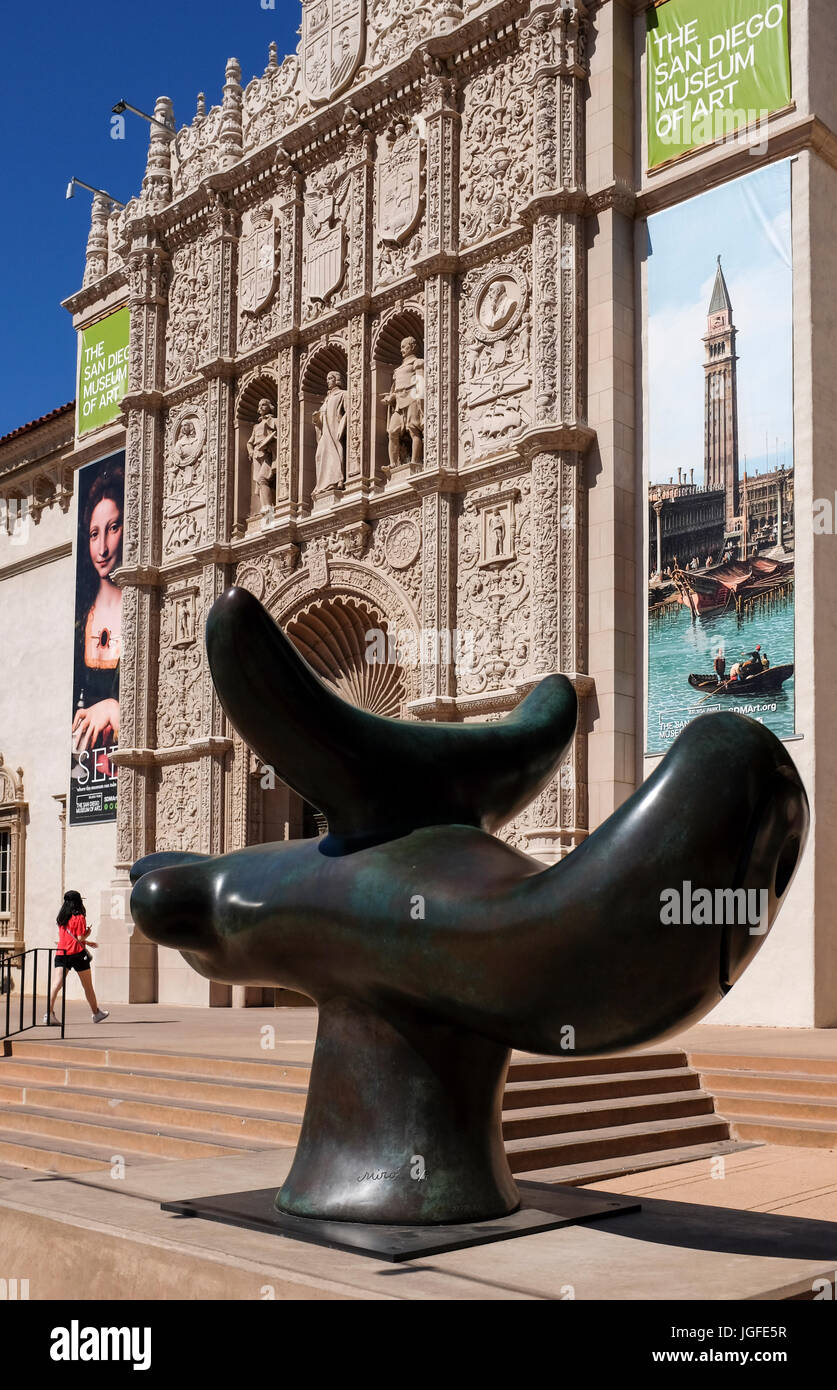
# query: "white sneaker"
x,y
100,1016
50,1018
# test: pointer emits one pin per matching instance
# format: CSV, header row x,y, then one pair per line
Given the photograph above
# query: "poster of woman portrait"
x,y
98,641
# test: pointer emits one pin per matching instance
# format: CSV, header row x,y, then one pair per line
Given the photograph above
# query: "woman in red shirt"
x,y
72,954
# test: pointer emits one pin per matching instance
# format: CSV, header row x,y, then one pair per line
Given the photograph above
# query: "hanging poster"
x,y
98,641
714,67
102,370
720,460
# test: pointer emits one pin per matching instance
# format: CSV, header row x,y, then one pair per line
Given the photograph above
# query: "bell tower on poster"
x,y
721,399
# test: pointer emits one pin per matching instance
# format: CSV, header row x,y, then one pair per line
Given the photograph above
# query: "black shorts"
x,y
79,961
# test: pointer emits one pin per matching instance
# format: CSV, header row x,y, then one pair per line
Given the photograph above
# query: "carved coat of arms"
x,y
258,275
399,186
333,40
325,238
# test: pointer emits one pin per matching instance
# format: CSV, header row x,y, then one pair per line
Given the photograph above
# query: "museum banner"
x,y
102,371
98,641
720,457
714,68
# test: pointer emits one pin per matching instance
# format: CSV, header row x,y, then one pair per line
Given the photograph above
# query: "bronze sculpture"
x,y
431,947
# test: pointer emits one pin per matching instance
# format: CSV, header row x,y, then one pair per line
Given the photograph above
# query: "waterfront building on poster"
x,y
721,552
406,353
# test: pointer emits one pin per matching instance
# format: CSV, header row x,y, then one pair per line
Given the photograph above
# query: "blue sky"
x,y
748,223
65,65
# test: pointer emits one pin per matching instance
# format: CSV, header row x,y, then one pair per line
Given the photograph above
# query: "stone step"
x,y
737,1105
72,1156
601,1169
773,1130
791,1083
740,1061
523,1067
284,1097
585,1146
130,1136
565,1090
240,1122
532,1068
268,1072
538,1121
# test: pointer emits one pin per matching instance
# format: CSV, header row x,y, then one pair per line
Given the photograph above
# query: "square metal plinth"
x,y
542,1208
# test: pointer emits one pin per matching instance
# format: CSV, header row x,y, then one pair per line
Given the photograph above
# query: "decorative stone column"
x,y
437,266
360,166
212,746
96,257
554,36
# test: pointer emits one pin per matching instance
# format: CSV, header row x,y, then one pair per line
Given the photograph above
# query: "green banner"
x,y
715,67
102,371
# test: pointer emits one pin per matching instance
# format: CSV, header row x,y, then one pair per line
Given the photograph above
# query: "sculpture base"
x,y
543,1207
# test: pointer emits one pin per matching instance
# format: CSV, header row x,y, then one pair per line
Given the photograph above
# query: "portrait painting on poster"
x,y
94,734
720,458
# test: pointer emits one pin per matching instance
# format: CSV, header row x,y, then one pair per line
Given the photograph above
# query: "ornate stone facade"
x,y
414,245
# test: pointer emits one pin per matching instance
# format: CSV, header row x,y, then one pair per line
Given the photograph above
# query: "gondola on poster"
x,y
720,457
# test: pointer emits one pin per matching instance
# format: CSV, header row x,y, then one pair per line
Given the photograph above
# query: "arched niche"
x,y
405,321
260,384
313,386
333,634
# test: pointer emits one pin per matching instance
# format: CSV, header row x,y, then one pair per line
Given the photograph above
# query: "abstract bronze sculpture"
x,y
432,948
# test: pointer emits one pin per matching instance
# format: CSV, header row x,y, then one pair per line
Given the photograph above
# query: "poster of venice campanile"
x,y
720,458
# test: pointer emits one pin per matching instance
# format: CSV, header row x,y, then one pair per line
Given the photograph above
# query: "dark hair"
x,y
72,906
110,485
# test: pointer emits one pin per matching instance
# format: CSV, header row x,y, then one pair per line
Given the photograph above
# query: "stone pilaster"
x,y
148,271
290,221
438,589
437,266
360,165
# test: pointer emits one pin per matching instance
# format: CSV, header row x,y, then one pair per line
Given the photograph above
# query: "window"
x,y
12,842
5,881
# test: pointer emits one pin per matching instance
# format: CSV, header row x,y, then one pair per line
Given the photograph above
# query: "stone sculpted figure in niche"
x,y
330,425
261,446
405,417
497,528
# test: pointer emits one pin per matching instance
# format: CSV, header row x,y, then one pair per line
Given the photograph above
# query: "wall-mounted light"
x,y
74,183
123,105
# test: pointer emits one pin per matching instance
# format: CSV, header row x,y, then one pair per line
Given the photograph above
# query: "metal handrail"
x,y
18,959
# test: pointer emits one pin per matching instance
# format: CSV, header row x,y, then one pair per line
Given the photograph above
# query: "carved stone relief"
x,y
495,404
397,27
397,548
273,102
184,485
494,587
178,808
187,333
179,699
497,156
258,276
333,41
196,150
325,238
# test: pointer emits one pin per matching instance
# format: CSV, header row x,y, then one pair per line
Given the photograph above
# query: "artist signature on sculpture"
x,y
378,1176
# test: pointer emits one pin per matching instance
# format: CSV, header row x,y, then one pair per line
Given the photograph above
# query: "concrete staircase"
x,y
777,1100
67,1109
